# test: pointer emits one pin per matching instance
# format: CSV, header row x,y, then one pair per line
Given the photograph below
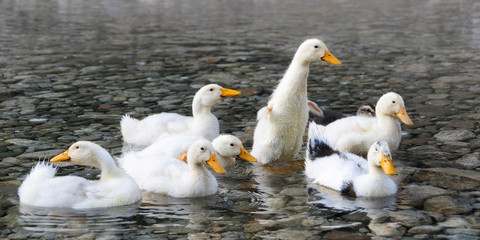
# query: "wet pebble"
x,y
387,229
446,205
425,229
454,135
410,218
451,178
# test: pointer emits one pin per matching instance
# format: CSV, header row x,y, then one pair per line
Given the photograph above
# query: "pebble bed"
x,y
70,69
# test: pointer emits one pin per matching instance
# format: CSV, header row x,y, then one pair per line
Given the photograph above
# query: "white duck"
x,y
357,133
115,188
281,124
226,147
167,175
348,173
141,133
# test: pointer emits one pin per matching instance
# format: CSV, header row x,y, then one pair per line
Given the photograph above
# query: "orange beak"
x,y
215,164
245,155
328,57
228,92
183,158
403,116
61,157
387,165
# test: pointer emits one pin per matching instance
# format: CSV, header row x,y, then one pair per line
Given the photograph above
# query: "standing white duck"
x,y
281,124
357,133
141,133
348,173
167,175
115,188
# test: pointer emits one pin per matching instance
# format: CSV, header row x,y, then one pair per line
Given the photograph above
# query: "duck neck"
x,y
225,161
388,123
199,109
108,167
375,170
198,169
295,78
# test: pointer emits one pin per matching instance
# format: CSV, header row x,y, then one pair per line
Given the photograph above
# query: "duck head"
x,y
201,152
82,153
313,50
231,146
392,104
379,156
210,94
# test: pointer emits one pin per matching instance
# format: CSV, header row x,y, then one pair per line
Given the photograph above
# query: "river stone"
x,y
469,161
40,155
452,178
467,231
446,205
415,195
454,135
426,229
387,229
343,235
410,218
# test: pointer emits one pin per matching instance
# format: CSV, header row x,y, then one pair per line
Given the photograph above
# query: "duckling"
x,y
167,175
226,147
281,124
141,133
115,188
357,133
348,173
325,117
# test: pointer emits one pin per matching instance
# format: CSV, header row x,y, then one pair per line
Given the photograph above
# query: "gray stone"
x,y
387,229
454,135
467,231
410,218
426,229
415,195
469,161
451,178
446,205
41,155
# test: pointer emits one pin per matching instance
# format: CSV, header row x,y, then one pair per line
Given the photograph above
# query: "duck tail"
x,y
318,145
41,172
128,126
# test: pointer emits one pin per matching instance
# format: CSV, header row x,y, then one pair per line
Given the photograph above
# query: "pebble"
x,y
446,205
387,229
454,135
410,218
451,178
425,229
415,195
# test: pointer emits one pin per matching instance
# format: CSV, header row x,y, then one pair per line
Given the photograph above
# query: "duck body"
x,y
167,175
357,133
141,133
348,173
280,125
115,188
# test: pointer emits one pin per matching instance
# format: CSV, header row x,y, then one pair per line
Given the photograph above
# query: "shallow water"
x,y
70,69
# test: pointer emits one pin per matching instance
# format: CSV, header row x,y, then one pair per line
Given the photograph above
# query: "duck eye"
x,y
393,101
316,46
203,149
231,144
77,147
211,89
